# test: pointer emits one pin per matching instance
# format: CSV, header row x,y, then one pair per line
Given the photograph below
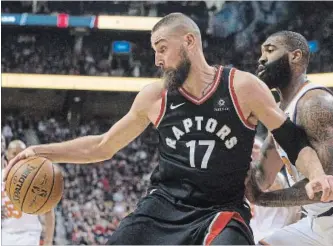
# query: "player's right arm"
x,y
91,149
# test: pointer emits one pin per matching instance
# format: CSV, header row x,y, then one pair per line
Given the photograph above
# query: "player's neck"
x,y
290,91
200,78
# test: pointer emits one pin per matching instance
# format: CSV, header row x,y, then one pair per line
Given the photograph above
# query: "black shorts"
x,y
158,220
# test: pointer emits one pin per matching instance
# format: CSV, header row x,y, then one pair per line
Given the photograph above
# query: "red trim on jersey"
x,y
219,223
162,109
211,91
235,101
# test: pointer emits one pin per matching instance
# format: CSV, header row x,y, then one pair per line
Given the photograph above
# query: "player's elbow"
x,y
103,150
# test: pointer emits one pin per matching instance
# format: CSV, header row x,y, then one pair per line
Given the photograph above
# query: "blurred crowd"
x,y
225,41
96,196
13,127
133,8
43,53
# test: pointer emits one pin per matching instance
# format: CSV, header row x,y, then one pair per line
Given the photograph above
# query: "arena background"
x,y
73,68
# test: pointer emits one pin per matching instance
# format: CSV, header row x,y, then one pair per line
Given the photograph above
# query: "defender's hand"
x,y
28,152
322,183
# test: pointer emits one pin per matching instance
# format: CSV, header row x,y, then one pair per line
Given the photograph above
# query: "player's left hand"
x,y
322,183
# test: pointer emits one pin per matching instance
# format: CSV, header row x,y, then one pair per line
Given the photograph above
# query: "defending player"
x,y
283,64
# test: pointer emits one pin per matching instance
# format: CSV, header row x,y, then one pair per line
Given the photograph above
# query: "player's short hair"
x,y
294,41
177,20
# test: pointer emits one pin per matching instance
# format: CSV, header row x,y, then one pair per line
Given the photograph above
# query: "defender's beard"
x,y
277,74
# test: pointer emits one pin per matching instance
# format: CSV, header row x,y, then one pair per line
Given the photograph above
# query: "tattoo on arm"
x,y
293,196
316,116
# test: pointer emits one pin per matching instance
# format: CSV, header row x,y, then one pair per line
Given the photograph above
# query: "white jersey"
x,y
16,221
292,173
267,220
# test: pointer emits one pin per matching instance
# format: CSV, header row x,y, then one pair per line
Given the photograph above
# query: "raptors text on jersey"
x,y
205,144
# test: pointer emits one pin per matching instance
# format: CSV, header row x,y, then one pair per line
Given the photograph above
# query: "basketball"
x,y
34,185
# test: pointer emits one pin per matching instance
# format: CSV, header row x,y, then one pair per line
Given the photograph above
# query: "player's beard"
x,y
175,77
277,74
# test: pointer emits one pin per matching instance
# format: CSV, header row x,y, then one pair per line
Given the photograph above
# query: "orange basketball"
x,y
34,185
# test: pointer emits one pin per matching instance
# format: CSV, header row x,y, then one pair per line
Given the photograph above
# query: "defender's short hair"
x,y
294,41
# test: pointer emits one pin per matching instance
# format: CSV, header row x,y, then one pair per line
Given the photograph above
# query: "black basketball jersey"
x,y
205,145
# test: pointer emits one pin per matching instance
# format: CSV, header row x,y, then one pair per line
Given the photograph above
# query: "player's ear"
x,y
189,40
296,56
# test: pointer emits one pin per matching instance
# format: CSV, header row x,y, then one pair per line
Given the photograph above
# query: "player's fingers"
x,y
326,189
313,187
6,171
330,189
310,189
330,181
11,163
22,155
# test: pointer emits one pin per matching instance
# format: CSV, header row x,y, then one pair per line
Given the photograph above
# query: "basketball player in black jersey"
x,y
205,116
